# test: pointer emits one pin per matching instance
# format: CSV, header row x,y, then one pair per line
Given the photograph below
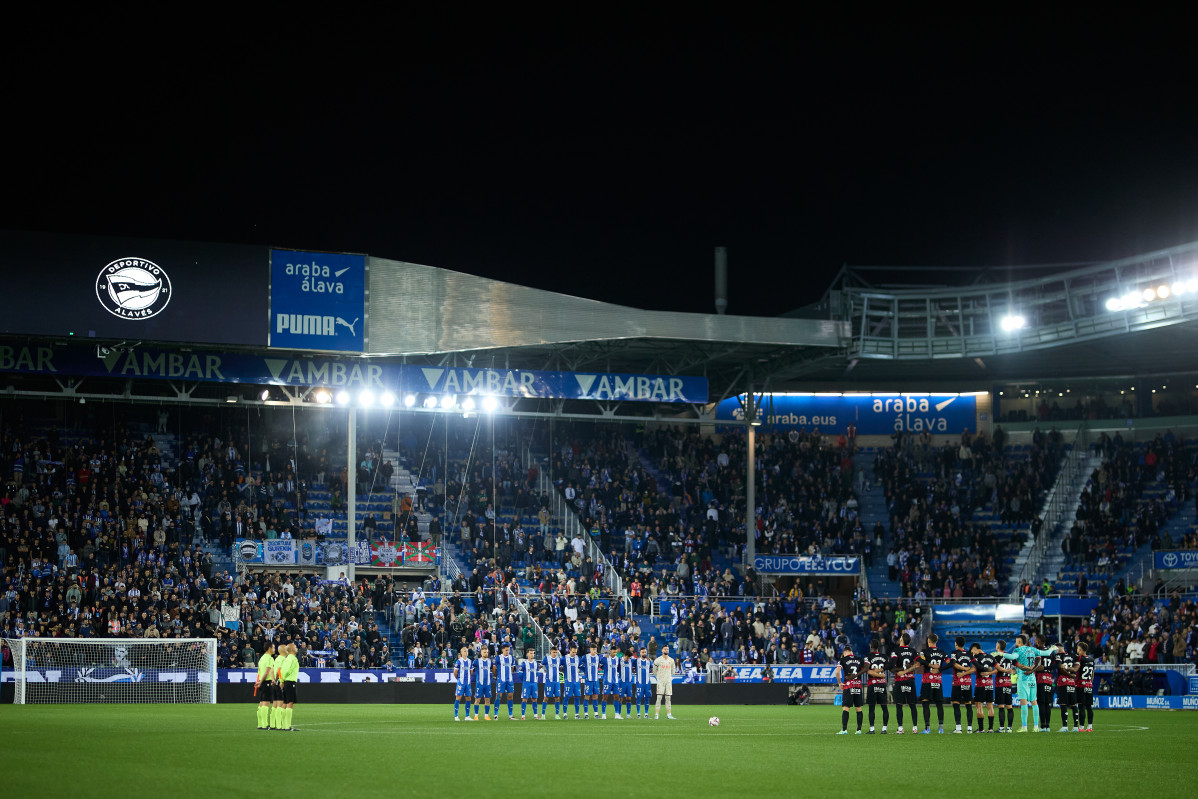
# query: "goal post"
x,y
112,670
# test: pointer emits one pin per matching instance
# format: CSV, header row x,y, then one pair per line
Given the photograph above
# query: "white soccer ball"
x,y
714,721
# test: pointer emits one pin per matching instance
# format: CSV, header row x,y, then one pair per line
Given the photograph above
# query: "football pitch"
x,y
417,750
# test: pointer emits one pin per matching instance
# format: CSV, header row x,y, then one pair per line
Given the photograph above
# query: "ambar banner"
x,y
344,372
141,289
872,415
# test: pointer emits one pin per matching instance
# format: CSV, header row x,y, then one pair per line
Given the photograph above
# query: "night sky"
x,y
607,157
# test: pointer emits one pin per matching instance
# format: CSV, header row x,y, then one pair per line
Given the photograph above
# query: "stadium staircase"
x,y
1131,565
872,508
1059,510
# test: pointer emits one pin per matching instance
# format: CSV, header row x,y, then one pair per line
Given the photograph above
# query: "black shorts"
x,y
904,692
1085,697
1066,695
1044,692
962,694
267,692
931,693
983,695
876,695
851,697
1003,695
289,692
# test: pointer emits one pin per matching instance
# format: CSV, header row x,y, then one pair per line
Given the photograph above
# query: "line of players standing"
x,y
591,680
981,682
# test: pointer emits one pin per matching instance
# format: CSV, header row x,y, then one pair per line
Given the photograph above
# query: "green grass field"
x,y
417,750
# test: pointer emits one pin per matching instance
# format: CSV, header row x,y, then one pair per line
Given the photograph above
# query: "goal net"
x,y
115,670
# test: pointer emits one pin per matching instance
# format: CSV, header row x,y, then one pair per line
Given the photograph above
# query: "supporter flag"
x,y
386,555
421,552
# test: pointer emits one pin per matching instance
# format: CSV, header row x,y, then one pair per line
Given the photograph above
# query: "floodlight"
x,y
1114,304
387,399
265,395
366,398
468,404
490,404
430,402
1013,322
448,401
343,397
1162,292
409,400
322,396
1148,294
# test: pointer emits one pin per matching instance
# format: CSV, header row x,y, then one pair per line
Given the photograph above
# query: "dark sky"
x,y
606,157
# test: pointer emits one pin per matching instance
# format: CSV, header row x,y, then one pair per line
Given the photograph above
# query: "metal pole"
x,y
750,482
494,496
352,502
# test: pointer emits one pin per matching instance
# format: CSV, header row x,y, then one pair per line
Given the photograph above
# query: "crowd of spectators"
x,y
1136,629
938,548
775,631
1115,517
664,526
101,535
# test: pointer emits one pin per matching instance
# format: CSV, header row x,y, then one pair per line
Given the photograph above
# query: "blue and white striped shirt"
x,y
572,668
611,669
553,668
463,669
504,662
644,668
592,667
484,671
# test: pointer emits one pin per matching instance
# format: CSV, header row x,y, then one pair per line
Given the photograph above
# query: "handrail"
x,y
543,643
1056,505
571,524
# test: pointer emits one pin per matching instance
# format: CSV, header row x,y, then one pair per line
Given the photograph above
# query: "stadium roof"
x,y
1090,321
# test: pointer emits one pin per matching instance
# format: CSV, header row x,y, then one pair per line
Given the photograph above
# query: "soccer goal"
x,y
113,670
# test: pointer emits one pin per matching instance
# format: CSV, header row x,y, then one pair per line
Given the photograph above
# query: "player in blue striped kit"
x,y
551,668
611,680
627,683
463,675
505,666
484,682
644,685
591,688
529,670
573,681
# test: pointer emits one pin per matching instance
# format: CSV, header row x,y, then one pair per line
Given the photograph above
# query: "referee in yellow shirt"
x,y
289,675
264,686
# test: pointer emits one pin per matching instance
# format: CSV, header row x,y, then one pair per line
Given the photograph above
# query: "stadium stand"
x,y
958,513
1126,510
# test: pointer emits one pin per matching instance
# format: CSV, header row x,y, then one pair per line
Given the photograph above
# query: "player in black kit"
x,y
932,660
875,670
1067,667
901,660
961,663
1004,691
1085,688
1043,675
983,692
848,673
